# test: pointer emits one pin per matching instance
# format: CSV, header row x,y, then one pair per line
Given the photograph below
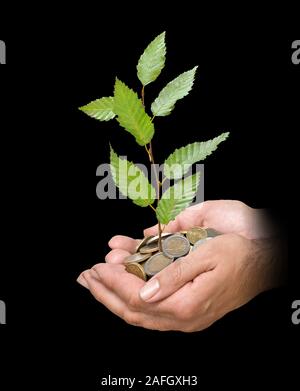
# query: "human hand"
x,y
191,293
226,216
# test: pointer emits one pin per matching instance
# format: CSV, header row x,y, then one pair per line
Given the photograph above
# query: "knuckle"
x,y
177,273
133,302
97,268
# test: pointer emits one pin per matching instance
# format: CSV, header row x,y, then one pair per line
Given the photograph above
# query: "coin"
x,y
137,257
196,234
211,232
175,246
136,269
143,242
155,238
183,232
149,248
157,263
200,242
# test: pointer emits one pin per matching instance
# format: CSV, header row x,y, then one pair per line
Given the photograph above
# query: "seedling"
x,y
130,112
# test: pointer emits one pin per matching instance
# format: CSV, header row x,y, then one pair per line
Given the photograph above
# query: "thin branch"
x,y
152,207
143,95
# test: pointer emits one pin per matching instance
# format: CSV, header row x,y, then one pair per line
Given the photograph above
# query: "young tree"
x,y
129,110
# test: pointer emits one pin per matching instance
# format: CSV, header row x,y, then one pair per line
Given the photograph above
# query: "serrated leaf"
x,y
180,161
131,114
152,61
176,198
172,92
131,180
101,109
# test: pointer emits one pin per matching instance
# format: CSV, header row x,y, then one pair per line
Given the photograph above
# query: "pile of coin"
x,y
148,260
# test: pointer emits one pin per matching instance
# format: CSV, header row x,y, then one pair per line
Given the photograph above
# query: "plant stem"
x,y
158,185
158,182
152,207
143,95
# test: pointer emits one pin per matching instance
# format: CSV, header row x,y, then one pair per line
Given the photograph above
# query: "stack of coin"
x,y
148,260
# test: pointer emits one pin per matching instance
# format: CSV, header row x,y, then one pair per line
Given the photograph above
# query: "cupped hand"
x,y
191,293
195,291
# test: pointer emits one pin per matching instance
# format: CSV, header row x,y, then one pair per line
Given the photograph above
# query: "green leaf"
x,y
152,60
101,109
131,181
131,114
180,161
176,198
172,92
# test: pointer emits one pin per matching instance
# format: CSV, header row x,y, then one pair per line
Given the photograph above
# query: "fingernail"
x,y
150,289
82,281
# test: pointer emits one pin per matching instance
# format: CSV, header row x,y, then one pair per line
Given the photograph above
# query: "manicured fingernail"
x,y
82,281
150,289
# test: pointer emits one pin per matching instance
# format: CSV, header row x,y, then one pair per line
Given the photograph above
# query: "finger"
x,y
127,286
123,242
104,295
176,275
82,281
116,305
122,283
117,256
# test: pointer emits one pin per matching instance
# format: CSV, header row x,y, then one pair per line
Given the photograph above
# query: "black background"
x,y
55,227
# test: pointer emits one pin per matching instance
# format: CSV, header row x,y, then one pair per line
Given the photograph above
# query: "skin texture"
x,y
195,291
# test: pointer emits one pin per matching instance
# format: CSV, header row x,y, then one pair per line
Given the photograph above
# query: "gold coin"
x,y
195,234
137,257
143,242
136,269
157,263
176,246
149,248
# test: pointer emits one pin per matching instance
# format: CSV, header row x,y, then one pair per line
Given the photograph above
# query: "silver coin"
x,y
176,246
137,258
200,242
149,248
155,238
156,263
143,242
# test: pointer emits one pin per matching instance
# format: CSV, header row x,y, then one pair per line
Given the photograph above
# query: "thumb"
x,y
174,276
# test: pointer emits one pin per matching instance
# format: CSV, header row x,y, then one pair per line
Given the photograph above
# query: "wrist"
x,y
261,224
270,257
